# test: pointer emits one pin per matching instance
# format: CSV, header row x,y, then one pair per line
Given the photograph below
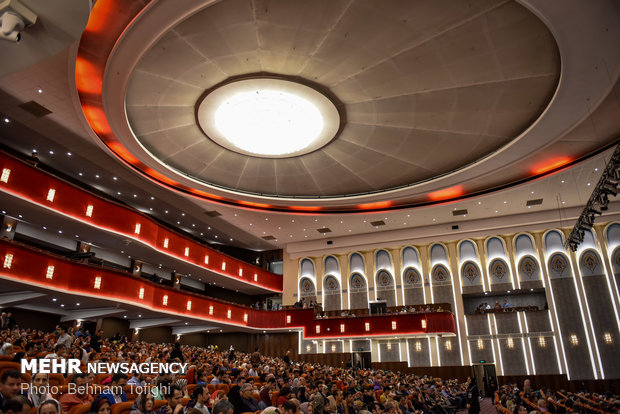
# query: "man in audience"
x,y
78,392
64,338
223,407
9,386
200,399
115,393
249,404
174,405
17,405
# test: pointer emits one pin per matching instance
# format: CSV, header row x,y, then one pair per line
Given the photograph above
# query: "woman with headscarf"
x,y
100,406
38,391
144,404
50,406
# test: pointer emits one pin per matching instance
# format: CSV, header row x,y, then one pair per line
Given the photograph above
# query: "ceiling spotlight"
x,y
40,90
6,120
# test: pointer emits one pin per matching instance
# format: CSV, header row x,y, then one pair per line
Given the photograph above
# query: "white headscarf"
x,y
37,399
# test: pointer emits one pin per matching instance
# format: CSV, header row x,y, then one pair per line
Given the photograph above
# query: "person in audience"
x,y
64,338
50,407
249,404
9,386
506,304
17,405
223,407
161,382
199,400
100,405
38,390
69,400
115,394
138,380
144,404
174,405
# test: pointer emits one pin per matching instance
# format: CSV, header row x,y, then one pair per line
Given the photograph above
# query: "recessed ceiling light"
x,y
3,212
69,154
562,181
588,184
125,316
96,175
62,305
77,304
118,192
183,214
114,178
166,211
151,208
135,195
596,169
193,225
505,201
59,231
39,90
51,152
44,228
496,211
201,234
77,235
152,198
531,192
19,215
186,323
259,117
209,228
80,174
6,120
178,222
216,236
139,316
54,299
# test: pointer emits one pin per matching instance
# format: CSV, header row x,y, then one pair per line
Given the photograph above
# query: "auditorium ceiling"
x,y
444,106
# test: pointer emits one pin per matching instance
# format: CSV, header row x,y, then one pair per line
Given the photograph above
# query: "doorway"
x,y
485,377
361,360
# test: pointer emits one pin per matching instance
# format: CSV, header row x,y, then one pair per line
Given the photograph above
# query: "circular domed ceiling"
x,y
423,88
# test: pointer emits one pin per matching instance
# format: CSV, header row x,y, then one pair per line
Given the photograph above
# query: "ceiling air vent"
x,y
535,202
268,238
35,109
213,213
377,223
324,230
460,212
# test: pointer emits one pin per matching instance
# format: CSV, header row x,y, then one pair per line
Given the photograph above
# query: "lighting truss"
x,y
607,186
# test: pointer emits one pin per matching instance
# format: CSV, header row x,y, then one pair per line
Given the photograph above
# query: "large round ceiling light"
x,y
266,117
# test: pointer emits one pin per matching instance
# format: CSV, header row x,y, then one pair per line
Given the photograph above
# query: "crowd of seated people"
x,y
486,307
222,382
216,382
509,399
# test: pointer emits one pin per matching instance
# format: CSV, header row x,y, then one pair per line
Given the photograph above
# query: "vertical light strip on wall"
x,y
438,352
611,291
557,354
430,282
467,340
408,354
456,314
430,355
529,343
577,275
527,365
585,300
555,316
491,340
499,348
